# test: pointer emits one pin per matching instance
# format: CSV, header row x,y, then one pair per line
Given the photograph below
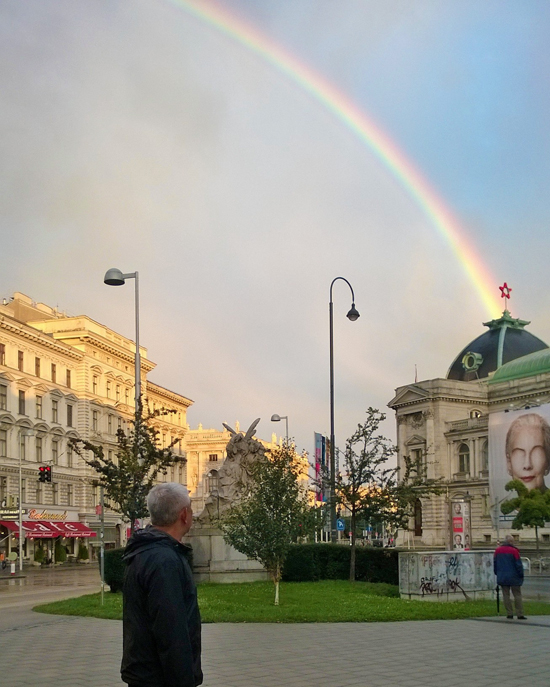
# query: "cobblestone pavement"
x,y
62,651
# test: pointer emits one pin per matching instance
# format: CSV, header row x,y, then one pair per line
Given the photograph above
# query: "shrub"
x,y
307,562
115,566
83,554
39,555
60,552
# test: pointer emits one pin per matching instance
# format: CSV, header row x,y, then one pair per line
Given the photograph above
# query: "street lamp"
x,y
115,277
24,432
278,418
352,315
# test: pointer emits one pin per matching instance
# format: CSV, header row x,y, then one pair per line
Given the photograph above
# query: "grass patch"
x,y
327,601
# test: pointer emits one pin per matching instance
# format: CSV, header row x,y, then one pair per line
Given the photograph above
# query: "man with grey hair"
x,y
509,571
161,620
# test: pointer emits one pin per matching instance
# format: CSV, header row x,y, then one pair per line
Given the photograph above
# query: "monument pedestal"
x,y
216,561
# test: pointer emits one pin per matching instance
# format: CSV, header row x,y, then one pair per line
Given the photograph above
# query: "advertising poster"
x,y
460,525
519,448
320,463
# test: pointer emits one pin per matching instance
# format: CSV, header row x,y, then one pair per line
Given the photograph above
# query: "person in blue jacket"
x,y
509,571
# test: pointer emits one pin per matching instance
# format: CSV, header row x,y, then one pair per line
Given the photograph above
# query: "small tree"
x,y
532,506
139,461
359,489
274,514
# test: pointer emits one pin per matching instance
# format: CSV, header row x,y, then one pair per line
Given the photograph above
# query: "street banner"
x,y
460,525
320,464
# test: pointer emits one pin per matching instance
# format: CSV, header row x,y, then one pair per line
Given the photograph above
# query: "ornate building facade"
x,y
444,425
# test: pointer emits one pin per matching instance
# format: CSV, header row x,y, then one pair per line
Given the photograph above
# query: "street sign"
x,y
340,525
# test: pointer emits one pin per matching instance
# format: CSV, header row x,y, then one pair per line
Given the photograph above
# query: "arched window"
x,y
485,456
464,458
417,518
212,484
475,413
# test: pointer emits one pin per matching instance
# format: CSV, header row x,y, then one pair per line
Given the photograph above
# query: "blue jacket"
x,y
507,566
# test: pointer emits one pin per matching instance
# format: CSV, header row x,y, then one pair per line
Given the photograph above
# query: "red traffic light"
x,y
45,473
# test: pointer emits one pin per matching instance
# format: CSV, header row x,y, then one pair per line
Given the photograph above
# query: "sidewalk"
x,y
66,651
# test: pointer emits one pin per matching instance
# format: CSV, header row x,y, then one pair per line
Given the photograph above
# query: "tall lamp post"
x,y
114,277
278,418
352,315
24,432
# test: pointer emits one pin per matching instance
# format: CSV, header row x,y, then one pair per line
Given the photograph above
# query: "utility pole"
x,y
102,543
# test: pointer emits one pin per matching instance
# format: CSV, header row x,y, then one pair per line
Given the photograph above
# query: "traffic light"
x,y
45,473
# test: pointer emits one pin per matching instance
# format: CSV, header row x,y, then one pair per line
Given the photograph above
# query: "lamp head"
x,y
114,277
275,418
353,314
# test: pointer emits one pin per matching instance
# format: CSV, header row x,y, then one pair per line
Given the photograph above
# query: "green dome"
x,y
527,366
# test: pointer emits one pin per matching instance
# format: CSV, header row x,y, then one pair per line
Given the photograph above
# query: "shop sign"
x,y
11,513
46,515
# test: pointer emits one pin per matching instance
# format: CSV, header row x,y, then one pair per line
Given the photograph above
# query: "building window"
x,y
69,378
54,372
119,421
55,451
110,424
38,492
37,367
126,395
94,384
20,361
21,402
55,493
464,458
475,413
70,456
2,354
39,407
69,494
108,389
3,443
213,457
95,419
23,490
117,392
3,488
22,447
417,459
38,447
3,397
55,410
417,518
69,416
485,456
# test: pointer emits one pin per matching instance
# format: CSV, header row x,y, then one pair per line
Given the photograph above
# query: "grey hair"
x,y
166,501
530,420
509,539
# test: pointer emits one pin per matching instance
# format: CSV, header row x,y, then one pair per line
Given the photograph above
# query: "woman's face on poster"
x,y
526,459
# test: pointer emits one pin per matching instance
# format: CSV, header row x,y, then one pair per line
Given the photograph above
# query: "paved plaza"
x,y
57,651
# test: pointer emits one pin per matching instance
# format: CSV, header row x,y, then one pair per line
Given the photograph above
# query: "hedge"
x,y
115,566
310,562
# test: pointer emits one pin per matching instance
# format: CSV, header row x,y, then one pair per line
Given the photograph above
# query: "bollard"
x,y
12,568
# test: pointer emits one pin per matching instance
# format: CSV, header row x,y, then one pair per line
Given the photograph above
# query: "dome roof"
x,y
530,365
505,341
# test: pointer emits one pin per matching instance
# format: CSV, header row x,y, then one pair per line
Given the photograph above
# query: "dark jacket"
x,y
507,566
161,620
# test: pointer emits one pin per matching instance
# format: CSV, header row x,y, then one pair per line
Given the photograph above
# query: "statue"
x,y
234,475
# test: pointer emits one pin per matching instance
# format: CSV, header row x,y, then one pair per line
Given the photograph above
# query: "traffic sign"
x,y
340,525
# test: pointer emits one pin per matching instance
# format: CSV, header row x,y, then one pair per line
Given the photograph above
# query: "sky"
x,y
142,135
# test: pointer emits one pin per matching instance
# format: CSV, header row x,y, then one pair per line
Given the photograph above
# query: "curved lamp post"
x,y
278,418
352,315
115,277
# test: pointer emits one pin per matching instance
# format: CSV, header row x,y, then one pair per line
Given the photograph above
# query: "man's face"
x,y
527,459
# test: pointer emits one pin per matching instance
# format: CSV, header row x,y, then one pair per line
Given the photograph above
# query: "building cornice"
x,y
170,395
34,335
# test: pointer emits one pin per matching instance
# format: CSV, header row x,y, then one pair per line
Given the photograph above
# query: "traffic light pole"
x,y
102,543
20,515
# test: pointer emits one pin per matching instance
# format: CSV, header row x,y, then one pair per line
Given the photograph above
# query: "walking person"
x,y
161,620
509,571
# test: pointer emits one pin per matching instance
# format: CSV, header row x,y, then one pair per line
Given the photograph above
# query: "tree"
x,y
139,461
360,487
532,506
274,514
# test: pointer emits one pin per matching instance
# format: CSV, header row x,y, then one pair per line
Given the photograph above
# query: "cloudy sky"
x,y
136,134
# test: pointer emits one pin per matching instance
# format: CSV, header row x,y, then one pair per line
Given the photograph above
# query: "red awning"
x,y
46,529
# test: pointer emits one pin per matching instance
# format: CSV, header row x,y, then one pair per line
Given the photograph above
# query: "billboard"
x,y
320,464
460,525
519,448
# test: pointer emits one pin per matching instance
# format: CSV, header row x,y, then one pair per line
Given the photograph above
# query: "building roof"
x,y
527,366
506,341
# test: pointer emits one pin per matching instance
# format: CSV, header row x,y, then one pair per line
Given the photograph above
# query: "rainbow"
x,y
365,129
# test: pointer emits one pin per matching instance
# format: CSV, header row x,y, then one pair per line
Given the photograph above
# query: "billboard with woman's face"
x,y
519,448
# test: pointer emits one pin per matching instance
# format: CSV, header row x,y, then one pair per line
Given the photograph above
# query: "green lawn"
x,y
301,602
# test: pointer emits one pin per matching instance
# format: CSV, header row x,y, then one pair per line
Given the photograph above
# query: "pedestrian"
x,y
161,620
509,571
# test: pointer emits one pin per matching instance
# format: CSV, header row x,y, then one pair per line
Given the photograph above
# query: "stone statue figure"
x,y
234,475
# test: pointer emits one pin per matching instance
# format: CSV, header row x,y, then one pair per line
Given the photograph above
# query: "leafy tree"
x,y
360,487
273,514
532,506
139,461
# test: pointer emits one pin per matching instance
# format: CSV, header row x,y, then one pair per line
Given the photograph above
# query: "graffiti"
x,y
439,585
